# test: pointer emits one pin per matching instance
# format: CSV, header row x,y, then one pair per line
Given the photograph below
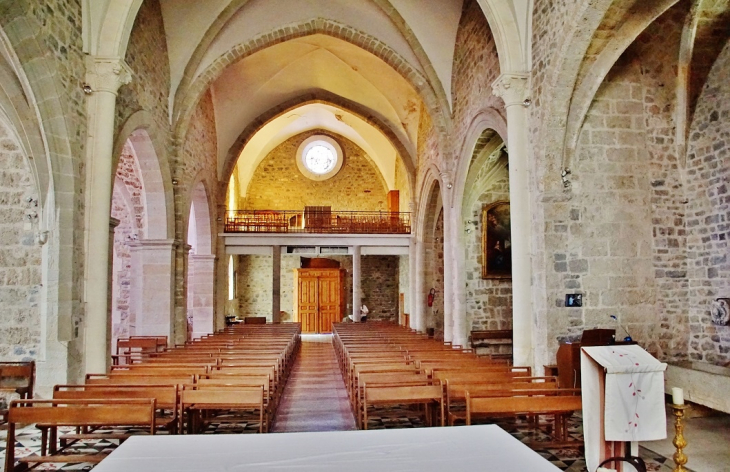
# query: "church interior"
x,y
311,181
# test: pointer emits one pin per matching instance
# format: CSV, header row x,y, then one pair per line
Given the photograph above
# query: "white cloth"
x,y
623,397
483,447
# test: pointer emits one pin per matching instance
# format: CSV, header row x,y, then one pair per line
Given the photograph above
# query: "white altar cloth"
x,y
484,447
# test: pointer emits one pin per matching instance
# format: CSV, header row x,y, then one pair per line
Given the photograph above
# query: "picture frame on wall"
x,y
496,241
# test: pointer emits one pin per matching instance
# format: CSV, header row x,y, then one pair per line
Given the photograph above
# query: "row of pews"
x,y
233,376
384,364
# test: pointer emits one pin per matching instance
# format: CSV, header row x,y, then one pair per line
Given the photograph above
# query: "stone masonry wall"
x,y
601,239
475,68
195,161
147,57
708,214
20,256
128,207
488,301
55,26
277,183
379,285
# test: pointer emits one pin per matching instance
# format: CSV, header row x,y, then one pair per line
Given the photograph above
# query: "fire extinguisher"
x,y
431,296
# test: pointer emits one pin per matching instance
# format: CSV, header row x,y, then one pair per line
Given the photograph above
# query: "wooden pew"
x,y
50,414
198,405
528,403
425,395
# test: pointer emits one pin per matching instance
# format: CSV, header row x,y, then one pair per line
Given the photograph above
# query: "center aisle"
x,y
314,398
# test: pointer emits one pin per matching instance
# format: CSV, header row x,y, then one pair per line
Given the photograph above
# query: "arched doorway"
x,y
488,291
201,265
433,240
142,256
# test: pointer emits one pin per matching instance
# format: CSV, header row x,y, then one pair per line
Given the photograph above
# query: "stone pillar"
x,y
512,88
201,291
447,197
356,286
105,75
113,223
454,259
276,284
221,273
152,290
420,300
413,295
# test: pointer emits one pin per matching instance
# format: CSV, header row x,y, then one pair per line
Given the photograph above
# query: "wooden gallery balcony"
x,y
318,220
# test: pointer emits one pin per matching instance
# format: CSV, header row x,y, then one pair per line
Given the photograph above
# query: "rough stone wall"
x,y
277,183
129,208
54,26
434,270
404,283
657,48
147,57
254,286
379,285
488,301
601,239
20,256
195,162
708,214
476,67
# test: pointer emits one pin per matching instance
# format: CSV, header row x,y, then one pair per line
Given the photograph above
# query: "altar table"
x,y
462,448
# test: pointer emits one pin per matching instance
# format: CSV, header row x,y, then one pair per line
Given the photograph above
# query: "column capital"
x,y
512,88
107,74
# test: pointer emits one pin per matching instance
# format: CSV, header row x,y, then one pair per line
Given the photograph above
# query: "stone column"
x,y
276,284
454,258
512,88
113,223
152,289
447,197
420,300
413,295
104,75
201,291
356,286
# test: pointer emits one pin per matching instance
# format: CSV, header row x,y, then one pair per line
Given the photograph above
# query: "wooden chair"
x,y
19,376
50,414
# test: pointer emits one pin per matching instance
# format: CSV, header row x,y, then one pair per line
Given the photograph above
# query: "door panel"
x,y
329,303
308,304
319,299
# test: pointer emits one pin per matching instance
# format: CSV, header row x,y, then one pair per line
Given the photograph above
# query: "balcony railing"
x,y
317,220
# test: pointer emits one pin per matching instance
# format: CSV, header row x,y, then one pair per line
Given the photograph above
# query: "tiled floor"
x,y
315,399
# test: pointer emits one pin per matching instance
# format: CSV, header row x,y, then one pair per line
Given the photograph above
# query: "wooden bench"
x,y
426,395
558,405
50,414
198,405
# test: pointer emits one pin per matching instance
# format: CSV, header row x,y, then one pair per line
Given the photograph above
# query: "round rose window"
x,y
319,157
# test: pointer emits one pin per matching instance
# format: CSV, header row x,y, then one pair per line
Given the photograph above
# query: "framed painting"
x,y
496,241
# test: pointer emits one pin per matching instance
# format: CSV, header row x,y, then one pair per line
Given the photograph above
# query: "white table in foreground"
x,y
487,448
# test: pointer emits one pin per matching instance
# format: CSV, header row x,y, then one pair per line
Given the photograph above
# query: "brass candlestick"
x,y
680,458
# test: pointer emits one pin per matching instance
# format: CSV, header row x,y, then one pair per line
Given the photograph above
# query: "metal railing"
x,y
317,221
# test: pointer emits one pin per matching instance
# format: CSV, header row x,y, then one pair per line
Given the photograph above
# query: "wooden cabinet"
x,y
319,298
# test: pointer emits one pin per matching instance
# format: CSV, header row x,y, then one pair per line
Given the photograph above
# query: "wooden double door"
x,y
319,298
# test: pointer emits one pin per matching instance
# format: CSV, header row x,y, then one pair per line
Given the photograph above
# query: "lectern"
x,y
623,401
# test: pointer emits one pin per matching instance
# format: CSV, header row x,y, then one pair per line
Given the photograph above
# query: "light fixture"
x,y
527,102
564,176
87,89
174,181
449,185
